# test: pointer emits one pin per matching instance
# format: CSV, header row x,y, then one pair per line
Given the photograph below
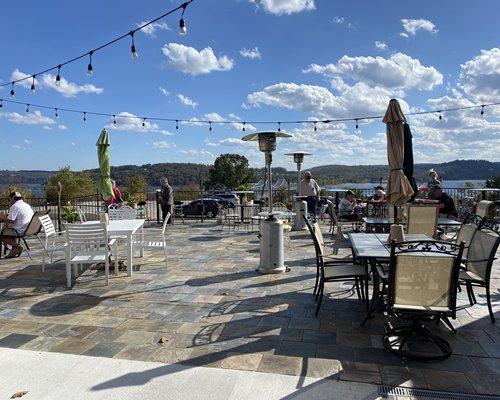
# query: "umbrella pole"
x,y
396,217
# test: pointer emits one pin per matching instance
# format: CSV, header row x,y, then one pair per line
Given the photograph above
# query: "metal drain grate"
x,y
385,391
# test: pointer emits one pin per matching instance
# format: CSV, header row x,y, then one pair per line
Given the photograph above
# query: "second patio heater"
x,y
271,229
299,206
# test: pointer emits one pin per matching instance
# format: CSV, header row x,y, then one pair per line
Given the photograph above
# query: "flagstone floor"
x,y
209,307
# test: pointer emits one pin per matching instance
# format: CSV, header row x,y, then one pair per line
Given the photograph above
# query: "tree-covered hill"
x,y
183,173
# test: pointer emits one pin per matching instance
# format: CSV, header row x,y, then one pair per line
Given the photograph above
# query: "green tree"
x,y
135,187
72,185
229,171
493,183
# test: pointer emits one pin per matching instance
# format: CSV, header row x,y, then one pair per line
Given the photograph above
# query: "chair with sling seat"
x,y
422,287
422,219
156,241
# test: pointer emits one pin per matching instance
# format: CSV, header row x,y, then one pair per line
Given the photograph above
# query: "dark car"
x,y
230,198
211,208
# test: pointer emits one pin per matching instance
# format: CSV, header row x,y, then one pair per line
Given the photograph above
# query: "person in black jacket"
x,y
446,203
166,200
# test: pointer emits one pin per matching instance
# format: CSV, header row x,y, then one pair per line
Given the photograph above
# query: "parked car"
x,y
211,208
231,198
224,202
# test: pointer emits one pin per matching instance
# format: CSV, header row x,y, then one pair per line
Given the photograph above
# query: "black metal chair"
x,y
422,287
479,262
33,229
333,269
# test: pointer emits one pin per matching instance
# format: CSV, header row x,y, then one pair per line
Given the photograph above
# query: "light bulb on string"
x,y
84,116
58,76
440,115
279,126
144,122
114,119
244,123
182,23
56,114
482,111
12,93
90,68
32,90
1,103
315,127
357,127
176,124
133,50
27,108
210,126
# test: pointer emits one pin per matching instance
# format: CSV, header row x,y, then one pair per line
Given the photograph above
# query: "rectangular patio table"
x,y
127,228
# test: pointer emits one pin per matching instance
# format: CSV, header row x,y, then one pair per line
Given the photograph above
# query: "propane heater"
x,y
271,230
300,206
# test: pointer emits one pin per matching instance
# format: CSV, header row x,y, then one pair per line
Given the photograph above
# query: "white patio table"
x,y
126,228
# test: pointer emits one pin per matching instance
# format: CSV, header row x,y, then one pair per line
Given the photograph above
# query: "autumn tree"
x,y
229,171
72,185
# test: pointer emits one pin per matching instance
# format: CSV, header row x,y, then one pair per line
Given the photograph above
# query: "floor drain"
x,y
393,392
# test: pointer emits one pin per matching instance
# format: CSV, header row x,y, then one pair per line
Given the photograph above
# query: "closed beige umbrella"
x,y
399,190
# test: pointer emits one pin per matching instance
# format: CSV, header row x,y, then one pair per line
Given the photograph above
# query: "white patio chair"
x,y
123,212
485,209
154,241
87,244
48,239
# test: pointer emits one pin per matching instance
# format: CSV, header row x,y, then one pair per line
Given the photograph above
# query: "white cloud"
x,y
162,144
380,45
198,153
62,127
398,71
126,121
280,7
339,20
27,141
164,91
251,53
150,30
191,61
411,26
67,89
187,101
31,118
480,77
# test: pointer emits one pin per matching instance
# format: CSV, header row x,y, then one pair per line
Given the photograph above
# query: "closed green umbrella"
x,y
104,182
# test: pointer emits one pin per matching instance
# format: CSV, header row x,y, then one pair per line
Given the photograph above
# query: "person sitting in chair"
x,y
446,204
347,207
17,220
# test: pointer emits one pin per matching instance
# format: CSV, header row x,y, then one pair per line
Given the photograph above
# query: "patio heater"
x,y
271,229
299,206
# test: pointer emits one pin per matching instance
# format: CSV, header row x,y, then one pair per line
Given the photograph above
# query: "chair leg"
x,y
488,300
319,297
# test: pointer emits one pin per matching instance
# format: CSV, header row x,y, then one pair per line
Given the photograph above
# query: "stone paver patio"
x,y
210,308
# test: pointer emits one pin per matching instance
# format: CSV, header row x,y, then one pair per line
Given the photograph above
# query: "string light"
x,y
357,125
232,122
84,117
27,108
133,50
56,114
144,122
90,68
210,126
244,123
182,23
440,115
12,93
315,127
58,76
32,91
1,103
482,111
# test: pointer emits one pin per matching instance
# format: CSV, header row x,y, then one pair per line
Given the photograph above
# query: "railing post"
x,y
158,207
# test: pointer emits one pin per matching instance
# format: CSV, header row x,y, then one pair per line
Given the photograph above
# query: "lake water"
x,y
446,185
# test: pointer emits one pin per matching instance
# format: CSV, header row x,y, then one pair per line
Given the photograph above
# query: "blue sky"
x,y
248,61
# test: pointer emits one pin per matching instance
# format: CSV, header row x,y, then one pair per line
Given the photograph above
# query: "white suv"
x,y
230,197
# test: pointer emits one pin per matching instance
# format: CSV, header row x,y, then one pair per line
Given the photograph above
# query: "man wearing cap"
x,y
310,188
17,220
346,207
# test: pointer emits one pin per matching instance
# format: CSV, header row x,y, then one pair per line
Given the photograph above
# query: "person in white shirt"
x,y
310,188
17,220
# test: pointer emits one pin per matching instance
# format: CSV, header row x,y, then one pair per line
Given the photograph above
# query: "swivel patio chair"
x,y
422,287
